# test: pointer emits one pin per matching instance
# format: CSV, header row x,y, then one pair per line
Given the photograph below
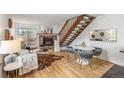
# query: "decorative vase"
x,y
51,31
10,23
83,45
7,34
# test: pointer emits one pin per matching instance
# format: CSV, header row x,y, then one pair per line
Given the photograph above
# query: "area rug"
x,y
115,72
45,60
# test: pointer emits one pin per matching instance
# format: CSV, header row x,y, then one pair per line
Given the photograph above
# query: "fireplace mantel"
x,y
46,35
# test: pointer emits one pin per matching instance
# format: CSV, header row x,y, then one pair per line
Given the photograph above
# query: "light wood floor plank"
x,y
64,69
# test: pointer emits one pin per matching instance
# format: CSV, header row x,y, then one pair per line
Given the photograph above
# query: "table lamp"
x,y
10,46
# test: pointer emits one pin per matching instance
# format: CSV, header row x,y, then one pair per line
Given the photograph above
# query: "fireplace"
x,y
48,41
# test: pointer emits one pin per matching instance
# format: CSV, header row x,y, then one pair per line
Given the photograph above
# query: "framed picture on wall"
x,y
108,35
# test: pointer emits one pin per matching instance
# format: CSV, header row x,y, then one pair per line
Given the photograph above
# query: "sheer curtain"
x,y
28,32
21,25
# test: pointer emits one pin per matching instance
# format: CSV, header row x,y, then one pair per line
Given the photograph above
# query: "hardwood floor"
x,y
64,69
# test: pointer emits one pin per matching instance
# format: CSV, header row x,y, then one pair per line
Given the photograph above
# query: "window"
x,y
29,35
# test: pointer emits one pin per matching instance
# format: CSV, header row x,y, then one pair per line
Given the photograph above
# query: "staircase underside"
x,y
80,24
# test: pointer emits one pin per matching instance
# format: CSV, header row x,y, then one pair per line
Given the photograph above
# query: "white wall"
x,y
110,49
3,26
55,28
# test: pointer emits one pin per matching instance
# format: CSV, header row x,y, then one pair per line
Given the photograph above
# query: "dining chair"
x,y
78,53
86,55
97,53
70,51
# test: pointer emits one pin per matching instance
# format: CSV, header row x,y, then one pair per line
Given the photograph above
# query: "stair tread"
x,y
83,23
75,32
80,27
86,17
69,36
77,28
86,20
68,40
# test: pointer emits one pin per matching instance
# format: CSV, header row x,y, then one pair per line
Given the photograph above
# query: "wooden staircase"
x,y
73,27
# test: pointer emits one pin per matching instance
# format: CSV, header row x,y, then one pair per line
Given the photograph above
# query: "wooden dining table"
x,y
88,48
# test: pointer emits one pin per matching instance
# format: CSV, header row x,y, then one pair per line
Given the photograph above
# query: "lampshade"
x,y
10,46
20,39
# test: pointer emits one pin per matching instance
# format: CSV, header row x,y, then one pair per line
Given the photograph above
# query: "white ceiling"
x,y
43,19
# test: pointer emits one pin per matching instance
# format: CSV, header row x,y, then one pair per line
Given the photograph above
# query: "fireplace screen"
x,y
47,41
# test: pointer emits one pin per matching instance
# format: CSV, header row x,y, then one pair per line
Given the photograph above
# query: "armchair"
x,y
30,62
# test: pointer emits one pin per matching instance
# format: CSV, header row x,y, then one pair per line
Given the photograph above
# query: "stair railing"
x,y
68,27
68,24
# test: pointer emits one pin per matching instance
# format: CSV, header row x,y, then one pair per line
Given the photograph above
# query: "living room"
x,y
50,45
90,54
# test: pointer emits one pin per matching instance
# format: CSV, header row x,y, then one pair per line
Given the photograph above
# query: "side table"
x,y
12,70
